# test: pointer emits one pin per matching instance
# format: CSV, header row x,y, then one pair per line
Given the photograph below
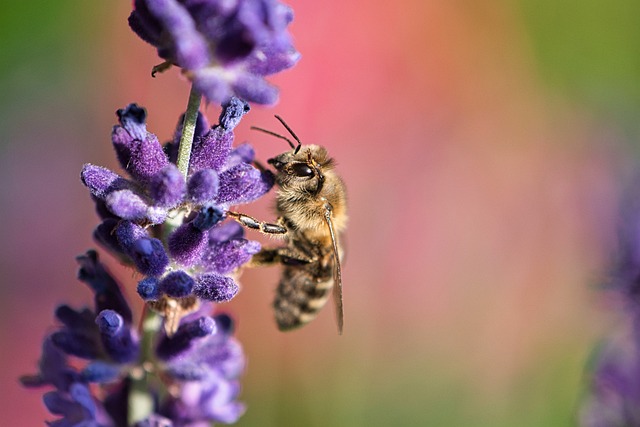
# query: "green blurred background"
x,y
484,145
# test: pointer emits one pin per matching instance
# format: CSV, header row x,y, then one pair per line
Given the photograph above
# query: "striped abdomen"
x,y
303,290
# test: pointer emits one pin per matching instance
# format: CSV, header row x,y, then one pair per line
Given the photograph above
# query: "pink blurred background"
x,y
482,203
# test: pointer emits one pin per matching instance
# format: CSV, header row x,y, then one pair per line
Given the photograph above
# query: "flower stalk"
x,y
188,131
140,402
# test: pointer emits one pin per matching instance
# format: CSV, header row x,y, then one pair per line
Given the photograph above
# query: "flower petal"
x,y
118,339
215,287
138,151
149,289
225,257
211,151
254,89
188,48
243,183
102,181
167,188
127,205
186,244
108,294
203,186
177,284
208,217
184,337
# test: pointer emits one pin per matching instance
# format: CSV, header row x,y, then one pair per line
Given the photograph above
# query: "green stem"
x,y
188,130
140,397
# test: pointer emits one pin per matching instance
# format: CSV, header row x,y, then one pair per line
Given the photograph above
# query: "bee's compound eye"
x,y
302,170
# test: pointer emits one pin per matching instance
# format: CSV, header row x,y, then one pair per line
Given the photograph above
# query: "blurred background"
x,y
484,145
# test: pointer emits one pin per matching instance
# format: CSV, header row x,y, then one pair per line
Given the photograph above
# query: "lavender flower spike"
x,y
614,398
219,176
224,48
202,355
168,217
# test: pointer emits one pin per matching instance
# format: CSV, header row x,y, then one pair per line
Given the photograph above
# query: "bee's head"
x,y
302,168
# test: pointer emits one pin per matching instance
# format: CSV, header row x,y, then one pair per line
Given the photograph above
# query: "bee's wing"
x,y
337,273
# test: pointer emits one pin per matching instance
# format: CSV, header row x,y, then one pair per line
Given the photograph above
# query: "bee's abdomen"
x,y
299,297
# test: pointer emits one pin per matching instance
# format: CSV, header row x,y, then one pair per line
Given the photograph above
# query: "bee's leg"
x,y
265,257
285,256
254,224
289,256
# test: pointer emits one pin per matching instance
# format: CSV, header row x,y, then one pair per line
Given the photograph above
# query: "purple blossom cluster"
x,y
614,398
171,228
224,47
200,362
166,217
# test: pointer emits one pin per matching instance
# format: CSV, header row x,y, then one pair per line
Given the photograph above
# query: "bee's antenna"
x,y
293,134
277,135
296,148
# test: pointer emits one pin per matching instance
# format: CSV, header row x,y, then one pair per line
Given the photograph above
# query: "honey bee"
x,y
311,204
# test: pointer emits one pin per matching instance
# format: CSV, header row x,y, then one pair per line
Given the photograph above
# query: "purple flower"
x,y
614,398
219,177
210,255
224,48
201,357
213,401
615,390
175,233
53,369
168,220
77,407
626,270
227,249
104,333
102,336
209,368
